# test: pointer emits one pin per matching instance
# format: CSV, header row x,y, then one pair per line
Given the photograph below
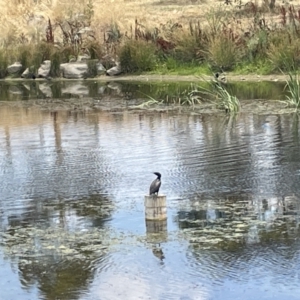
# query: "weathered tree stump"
x,y
155,207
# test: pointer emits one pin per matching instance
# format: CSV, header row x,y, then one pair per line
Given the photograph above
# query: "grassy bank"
x,y
196,38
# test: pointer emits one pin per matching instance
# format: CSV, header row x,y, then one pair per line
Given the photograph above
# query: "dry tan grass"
x,y
26,20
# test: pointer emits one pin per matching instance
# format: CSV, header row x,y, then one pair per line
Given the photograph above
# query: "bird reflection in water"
x,y
157,251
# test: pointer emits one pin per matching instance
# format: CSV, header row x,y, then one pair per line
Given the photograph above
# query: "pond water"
x,y
72,220
24,90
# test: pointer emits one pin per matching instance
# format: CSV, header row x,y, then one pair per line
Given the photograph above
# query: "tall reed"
x,y
218,93
293,89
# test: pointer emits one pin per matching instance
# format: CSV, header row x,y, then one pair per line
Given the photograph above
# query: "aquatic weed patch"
x,y
30,242
235,225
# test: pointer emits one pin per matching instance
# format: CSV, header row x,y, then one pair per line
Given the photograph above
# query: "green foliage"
x,y
3,63
92,68
196,94
137,56
216,18
170,65
188,48
112,38
95,49
284,53
55,64
41,52
114,34
44,50
258,66
222,51
217,92
191,98
293,89
227,101
221,42
167,64
24,54
186,97
257,45
66,53
150,102
31,56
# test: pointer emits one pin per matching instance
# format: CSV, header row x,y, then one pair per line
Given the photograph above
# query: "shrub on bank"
x,y
137,56
189,47
32,55
223,51
284,51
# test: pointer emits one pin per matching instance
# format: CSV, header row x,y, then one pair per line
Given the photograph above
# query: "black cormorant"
x,y
155,185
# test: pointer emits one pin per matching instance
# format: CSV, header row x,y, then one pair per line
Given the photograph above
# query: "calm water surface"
x,y
72,187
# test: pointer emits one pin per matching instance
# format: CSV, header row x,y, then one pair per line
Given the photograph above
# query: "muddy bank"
x,y
89,105
195,78
168,78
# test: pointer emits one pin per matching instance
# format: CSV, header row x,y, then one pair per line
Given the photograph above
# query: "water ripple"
x,y
232,192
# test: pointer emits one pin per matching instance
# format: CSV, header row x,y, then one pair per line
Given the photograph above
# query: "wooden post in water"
x,y
156,218
156,226
155,207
